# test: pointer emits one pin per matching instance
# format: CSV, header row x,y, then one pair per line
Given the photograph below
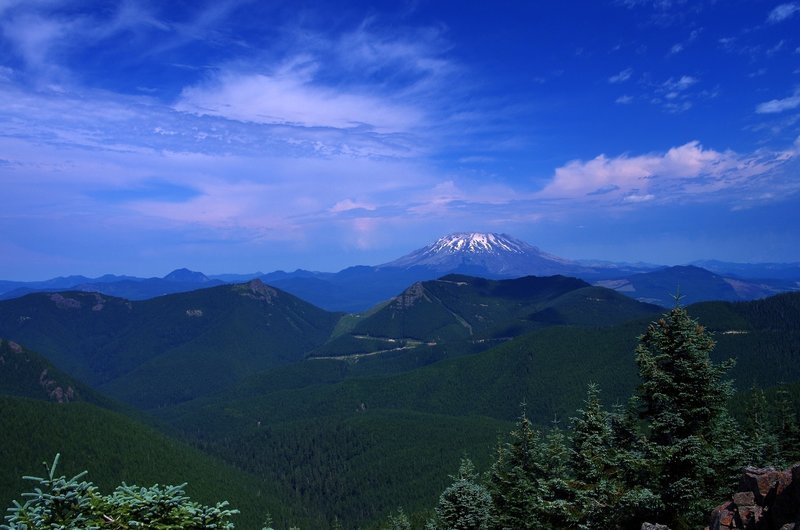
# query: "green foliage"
x,y
761,444
691,452
58,502
527,482
168,349
465,504
120,449
398,521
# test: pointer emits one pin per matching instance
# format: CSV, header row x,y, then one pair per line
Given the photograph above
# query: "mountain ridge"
x,y
484,254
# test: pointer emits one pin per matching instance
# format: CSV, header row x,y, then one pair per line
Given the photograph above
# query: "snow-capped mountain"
x,y
495,254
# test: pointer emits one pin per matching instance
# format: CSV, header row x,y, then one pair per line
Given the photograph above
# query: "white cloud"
x,y
682,171
622,76
635,198
775,106
624,99
680,84
783,12
349,204
292,97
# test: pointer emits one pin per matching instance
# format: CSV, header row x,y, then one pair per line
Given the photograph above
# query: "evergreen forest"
x,y
543,416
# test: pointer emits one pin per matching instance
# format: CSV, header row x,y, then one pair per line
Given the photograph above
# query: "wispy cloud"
x,y
783,12
291,97
686,171
775,106
678,47
673,95
622,76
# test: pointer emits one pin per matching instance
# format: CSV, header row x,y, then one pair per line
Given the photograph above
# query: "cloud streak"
x,y
775,106
783,12
291,98
689,171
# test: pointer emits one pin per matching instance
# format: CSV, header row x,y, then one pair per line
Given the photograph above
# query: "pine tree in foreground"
x,y
692,455
465,504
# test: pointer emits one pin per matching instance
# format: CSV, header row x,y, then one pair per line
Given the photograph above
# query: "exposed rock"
x,y
100,302
410,296
260,291
768,499
16,348
194,312
651,526
65,303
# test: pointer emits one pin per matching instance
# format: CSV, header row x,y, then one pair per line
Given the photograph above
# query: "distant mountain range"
x,y
129,287
486,255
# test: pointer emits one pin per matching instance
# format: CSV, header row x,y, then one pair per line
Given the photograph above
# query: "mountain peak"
x,y
186,276
484,254
479,242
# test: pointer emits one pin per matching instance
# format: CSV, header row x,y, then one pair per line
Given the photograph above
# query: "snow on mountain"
x,y
476,252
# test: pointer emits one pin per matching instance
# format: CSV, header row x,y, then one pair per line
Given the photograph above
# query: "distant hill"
x,y
129,287
761,271
694,284
167,349
465,308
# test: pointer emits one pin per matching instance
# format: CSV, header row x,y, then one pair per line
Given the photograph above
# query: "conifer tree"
x,y
398,521
465,504
516,480
558,494
788,427
761,441
683,400
58,502
591,459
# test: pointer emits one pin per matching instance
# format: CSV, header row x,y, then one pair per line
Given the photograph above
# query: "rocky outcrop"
x,y
767,499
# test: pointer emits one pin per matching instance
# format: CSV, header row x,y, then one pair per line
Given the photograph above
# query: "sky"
x,y
137,137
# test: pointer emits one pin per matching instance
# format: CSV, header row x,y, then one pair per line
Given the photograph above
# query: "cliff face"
x,y
767,499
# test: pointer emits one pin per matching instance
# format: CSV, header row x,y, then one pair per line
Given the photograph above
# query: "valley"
x,y
314,416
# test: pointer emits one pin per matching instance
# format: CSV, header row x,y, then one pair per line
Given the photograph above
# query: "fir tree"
x,y
58,502
683,397
596,486
465,504
516,480
788,427
761,441
398,521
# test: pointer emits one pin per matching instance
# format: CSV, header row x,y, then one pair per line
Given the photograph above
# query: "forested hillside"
x,y
352,437
168,349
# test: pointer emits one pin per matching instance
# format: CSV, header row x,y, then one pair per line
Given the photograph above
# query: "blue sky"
x,y
232,136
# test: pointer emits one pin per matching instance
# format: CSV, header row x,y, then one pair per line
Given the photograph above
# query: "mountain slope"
x,y
465,308
170,348
694,284
548,369
24,373
115,448
490,254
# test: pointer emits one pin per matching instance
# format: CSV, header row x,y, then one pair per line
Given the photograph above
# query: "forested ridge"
x,y
326,443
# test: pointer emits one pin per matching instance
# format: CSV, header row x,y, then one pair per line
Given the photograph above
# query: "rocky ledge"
x,y
767,499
